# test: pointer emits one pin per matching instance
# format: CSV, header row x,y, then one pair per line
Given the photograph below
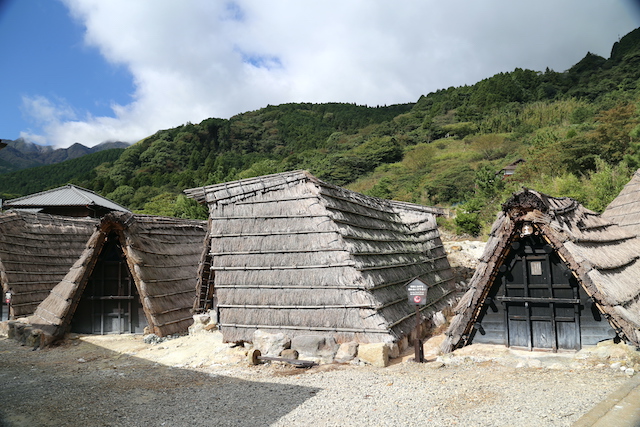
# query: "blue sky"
x,y
44,56
91,70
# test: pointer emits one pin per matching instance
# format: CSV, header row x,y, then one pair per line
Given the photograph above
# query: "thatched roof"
x,y
624,210
69,200
602,256
36,251
162,255
293,254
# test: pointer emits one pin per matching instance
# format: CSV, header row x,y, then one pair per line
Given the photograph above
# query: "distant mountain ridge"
x,y
22,154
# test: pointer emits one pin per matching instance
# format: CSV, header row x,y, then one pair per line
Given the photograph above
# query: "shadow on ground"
x,y
99,387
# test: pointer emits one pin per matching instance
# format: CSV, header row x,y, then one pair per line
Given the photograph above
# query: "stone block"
x,y
4,329
376,354
403,344
346,352
270,344
18,331
11,330
35,339
394,350
289,353
201,319
204,322
315,347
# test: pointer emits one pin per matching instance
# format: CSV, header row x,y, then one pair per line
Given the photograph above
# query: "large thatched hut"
x,y
553,276
293,254
136,272
36,251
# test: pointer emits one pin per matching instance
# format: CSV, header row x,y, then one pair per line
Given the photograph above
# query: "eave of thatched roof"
x,y
162,255
231,192
36,251
291,252
602,256
238,190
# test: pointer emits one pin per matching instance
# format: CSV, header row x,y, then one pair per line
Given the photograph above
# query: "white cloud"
x,y
195,59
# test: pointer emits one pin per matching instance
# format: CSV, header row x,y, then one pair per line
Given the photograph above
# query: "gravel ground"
x,y
107,381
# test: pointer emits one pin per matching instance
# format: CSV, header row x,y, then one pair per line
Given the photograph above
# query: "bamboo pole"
x,y
306,328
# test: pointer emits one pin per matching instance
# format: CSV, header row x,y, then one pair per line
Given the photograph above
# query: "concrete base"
x,y
620,409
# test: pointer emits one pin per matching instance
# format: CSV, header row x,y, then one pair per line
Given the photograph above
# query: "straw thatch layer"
x,y
624,210
36,252
602,256
292,253
162,255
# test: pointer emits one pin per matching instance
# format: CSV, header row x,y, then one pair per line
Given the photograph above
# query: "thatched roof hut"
x,y
68,200
553,276
290,253
36,251
136,271
624,210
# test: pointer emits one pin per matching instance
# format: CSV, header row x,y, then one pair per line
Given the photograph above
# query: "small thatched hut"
x,y
36,251
290,253
136,271
624,210
68,200
553,276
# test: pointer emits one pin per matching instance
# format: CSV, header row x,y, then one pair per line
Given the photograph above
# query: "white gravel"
x,y
83,384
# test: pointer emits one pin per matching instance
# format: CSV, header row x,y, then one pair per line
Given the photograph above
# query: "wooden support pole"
x,y
417,343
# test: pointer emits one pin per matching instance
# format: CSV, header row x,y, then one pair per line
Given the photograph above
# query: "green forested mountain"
x,y
577,132
33,180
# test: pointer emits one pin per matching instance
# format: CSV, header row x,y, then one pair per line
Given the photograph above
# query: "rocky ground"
x,y
199,380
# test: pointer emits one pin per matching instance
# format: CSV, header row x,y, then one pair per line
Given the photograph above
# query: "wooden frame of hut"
x,y
293,254
137,272
36,251
554,276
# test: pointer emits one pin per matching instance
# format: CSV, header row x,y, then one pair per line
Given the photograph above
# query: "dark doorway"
x,y
110,303
541,298
535,302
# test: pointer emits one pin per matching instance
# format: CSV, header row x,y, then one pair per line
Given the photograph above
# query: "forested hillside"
x,y
21,154
577,132
33,180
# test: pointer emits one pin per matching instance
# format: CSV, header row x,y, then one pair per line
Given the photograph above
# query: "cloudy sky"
x,y
92,70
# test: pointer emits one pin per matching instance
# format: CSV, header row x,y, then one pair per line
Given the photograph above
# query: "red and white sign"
x,y
417,292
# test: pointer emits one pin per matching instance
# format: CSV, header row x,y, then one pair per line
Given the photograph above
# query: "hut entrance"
x,y
110,303
535,301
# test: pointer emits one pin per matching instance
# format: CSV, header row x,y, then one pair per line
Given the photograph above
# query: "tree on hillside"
x,y
613,134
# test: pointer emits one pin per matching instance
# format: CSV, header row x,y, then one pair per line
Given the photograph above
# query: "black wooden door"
x,y
110,303
541,299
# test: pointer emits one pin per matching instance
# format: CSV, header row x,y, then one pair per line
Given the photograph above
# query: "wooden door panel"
x,y
519,333
567,336
543,334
